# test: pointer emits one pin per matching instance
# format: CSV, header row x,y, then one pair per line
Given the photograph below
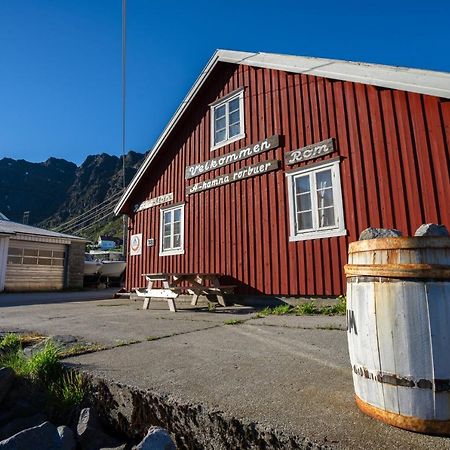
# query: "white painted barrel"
x,y
398,328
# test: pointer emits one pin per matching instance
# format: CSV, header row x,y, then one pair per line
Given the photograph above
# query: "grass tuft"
x,y
232,322
309,308
10,342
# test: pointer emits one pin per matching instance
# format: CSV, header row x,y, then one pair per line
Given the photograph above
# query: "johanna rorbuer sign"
x,y
246,172
229,158
309,152
153,202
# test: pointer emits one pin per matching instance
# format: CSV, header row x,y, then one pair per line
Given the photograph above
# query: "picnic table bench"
x,y
174,284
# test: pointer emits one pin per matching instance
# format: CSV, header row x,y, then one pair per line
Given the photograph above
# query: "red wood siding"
x,y
394,147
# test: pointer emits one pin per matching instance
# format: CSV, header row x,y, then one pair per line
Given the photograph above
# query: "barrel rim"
x,y
411,423
396,243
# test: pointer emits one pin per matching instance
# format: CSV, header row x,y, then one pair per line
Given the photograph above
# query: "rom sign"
x,y
309,152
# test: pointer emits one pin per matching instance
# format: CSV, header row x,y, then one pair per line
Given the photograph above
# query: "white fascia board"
x,y
405,79
178,113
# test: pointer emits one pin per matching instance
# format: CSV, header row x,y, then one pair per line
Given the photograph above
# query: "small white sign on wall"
x,y
136,244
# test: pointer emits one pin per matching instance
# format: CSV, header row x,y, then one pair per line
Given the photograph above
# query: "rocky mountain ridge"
x,y
57,190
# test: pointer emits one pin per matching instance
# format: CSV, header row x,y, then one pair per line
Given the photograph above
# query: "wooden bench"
x,y
171,288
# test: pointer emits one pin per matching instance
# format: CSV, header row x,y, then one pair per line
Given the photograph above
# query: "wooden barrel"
x,y
398,328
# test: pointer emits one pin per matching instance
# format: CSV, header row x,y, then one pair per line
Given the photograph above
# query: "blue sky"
x,y
60,59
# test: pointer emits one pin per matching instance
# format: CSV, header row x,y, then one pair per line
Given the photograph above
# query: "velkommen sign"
x,y
229,158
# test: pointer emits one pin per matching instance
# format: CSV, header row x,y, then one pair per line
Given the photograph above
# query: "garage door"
x,y
35,266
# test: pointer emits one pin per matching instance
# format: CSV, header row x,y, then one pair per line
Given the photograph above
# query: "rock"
x,y
431,229
20,408
21,423
377,233
7,378
156,439
42,437
120,447
90,433
67,436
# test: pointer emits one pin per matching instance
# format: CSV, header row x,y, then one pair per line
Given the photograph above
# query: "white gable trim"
x,y
401,78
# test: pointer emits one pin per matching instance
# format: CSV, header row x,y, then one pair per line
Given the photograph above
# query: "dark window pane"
x,y
58,254
45,262
46,253
14,260
29,260
326,217
30,252
219,112
234,118
325,197
303,202
58,262
177,241
323,179
302,184
233,105
304,221
166,243
219,136
177,215
15,251
235,130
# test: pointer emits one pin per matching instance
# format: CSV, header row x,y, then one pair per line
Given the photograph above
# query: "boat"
x,y
92,267
113,269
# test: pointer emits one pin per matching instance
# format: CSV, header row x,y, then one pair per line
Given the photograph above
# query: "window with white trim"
x,y
227,120
315,202
172,230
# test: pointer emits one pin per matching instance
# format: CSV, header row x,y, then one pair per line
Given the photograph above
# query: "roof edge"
x,y
419,81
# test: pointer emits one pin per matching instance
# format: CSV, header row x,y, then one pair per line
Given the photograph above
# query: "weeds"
x,y
232,322
10,342
64,389
309,308
211,307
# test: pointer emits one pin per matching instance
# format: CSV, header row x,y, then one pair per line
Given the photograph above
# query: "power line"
x,y
93,223
92,215
113,198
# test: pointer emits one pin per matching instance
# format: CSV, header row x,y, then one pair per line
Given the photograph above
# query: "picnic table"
x,y
174,284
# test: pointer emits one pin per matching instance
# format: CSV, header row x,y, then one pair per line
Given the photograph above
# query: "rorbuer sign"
x,y
246,172
309,152
154,202
229,158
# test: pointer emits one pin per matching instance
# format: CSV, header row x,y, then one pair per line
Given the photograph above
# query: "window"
x,y
315,202
172,230
30,256
227,119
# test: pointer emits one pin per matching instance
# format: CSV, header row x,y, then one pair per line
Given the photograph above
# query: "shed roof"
x,y
13,228
401,78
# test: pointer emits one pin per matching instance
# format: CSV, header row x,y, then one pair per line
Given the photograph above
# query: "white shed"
x,y
32,258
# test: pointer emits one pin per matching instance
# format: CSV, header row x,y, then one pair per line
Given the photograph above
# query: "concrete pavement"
x,y
284,372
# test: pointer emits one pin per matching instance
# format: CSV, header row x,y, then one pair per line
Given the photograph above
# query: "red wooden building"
x,y
273,164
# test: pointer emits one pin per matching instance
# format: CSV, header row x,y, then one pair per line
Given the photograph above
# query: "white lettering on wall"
x,y
254,149
153,202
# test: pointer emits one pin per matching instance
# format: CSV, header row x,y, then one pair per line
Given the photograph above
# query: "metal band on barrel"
x,y
429,271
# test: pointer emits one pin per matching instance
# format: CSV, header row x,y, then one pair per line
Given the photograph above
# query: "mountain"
x,y
56,190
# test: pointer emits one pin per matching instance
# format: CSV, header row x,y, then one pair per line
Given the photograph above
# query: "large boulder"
x,y
42,437
91,434
7,377
21,423
156,439
68,441
377,233
431,229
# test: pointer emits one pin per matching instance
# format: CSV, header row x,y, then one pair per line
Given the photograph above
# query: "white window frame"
x,y
225,101
171,251
316,232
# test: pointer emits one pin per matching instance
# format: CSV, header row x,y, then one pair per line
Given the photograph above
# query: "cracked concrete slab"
x,y
289,373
